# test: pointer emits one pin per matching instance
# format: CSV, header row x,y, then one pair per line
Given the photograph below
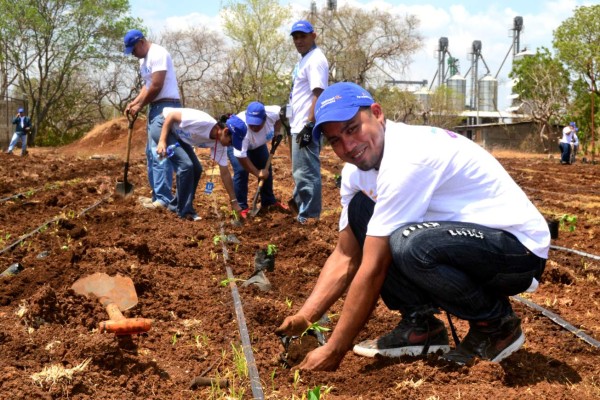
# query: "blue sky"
x,y
461,22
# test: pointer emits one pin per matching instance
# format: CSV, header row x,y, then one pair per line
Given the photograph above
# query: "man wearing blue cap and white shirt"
x,y
309,78
22,125
440,226
159,91
194,128
251,154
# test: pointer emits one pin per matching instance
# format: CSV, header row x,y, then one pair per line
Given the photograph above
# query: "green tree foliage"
x,y
542,83
577,42
258,67
360,44
398,105
53,47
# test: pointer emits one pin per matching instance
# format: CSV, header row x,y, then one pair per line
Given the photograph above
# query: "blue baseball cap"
x,y
339,102
237,129
302,26
256,113
572,124
20,110
131,38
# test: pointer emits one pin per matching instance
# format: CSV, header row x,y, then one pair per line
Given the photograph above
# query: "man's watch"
x,y
310,124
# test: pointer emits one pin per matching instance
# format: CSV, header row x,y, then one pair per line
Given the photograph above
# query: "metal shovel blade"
x,y
117,289
124,189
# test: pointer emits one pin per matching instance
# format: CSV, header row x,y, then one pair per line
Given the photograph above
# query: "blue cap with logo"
x,y
131,38
302,26
20,110
572,124
256,113
339,102
237,129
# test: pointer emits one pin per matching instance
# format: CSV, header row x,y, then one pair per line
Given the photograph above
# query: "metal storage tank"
x,y
488,94
424,97
458,86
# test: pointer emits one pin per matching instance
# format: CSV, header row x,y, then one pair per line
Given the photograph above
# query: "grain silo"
x,y
458,92
488,94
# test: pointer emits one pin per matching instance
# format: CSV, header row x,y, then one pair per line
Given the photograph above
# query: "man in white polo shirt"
x,y
437,225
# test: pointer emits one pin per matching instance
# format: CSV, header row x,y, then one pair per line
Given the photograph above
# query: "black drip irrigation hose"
x,y
558,320
20,195
257,390
581,253
36,230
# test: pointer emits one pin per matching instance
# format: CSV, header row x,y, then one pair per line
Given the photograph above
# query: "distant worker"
x,y
565,144
194,128
159,91
309,79
251,155
22,128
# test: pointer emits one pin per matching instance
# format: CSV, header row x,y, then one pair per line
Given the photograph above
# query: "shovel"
x,y
125,189
116,294
274,143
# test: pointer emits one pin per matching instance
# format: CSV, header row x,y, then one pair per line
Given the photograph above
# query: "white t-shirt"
x,y
159,59
430,174
570,137
253,139
194,129
311,72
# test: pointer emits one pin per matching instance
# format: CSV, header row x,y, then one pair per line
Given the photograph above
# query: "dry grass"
x,y
57,373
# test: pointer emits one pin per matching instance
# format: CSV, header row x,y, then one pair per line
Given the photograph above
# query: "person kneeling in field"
x,y
251,155
439,225
189,128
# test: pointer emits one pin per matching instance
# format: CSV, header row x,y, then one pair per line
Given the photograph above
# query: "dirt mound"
x,y
109,139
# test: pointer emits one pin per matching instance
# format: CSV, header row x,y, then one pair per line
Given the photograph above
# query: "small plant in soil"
x,y
288,302
317,327
316,393
271,249
225,282
568,222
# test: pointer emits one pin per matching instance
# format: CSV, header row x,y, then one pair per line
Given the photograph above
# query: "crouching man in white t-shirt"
x,y
189,128
436,225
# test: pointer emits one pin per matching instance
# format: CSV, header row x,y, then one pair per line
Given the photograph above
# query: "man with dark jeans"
x,y
441,227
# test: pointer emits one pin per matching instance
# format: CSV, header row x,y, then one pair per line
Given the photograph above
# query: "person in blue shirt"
x,y
22,127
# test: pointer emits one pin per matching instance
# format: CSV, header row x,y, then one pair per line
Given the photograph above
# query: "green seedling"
x,y
217,239
568,222
317,327
226,282
71,214
316,394
288,302
174,339
29,193
296,379
271,249
239,360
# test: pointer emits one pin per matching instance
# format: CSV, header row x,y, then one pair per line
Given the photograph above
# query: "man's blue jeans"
x,y
565,152
15,139
306,169
259,158
160,175
186,165
466,269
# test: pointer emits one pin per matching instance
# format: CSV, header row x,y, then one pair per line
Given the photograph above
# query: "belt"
x,y
165,101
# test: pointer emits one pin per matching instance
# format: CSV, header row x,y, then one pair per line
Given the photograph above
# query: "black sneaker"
x,y
416,334
489,340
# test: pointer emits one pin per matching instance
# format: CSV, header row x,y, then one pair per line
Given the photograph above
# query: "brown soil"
x,y
177,267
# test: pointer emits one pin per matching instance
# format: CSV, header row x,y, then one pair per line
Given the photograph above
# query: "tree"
x,y
359,44
577,42
196,54
51,44
542,83
259,64
398,105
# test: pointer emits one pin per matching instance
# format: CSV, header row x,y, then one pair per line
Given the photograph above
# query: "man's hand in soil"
x,y
324,358
293,325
